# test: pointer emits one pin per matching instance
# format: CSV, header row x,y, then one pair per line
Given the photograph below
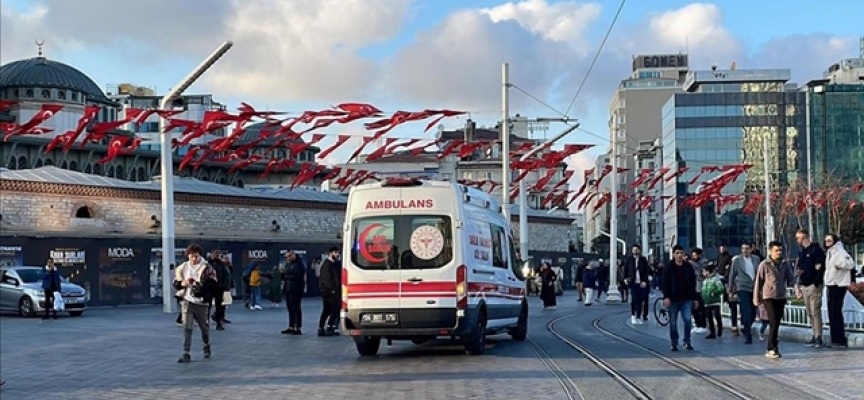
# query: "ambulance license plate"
x,y
378,318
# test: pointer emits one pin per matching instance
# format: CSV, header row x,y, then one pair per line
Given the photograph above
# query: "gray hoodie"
x,y
738,277
699,266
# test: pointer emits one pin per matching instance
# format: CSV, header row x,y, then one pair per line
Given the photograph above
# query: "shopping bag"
x,y
227,299
59,304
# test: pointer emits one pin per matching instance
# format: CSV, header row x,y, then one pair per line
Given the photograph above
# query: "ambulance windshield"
x,y
402,242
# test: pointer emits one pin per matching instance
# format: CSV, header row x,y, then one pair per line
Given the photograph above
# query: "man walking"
x,y
223,278
772,279
741,276
294,283
196,282
679,295
811,282
699,312
636,276
330,285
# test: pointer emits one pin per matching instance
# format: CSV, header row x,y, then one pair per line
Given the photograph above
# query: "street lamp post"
x,y
612,295
523,196
166,168
505,141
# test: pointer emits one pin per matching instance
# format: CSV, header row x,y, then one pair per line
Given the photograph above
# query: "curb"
x,y
802,335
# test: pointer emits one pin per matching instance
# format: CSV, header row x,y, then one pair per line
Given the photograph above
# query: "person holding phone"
x,y
196,282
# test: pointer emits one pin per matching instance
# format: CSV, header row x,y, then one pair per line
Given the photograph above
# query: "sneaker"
x,y
289,331
719,333
225,321
688,346
761,337
185,358
811,343
297,331
735,331
773,354
748,340
711,336
639,321
207,352
674,348
632,320
333,331
322,332
818,343
219,327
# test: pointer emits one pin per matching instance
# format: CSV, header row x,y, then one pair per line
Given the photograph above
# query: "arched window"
x,y
110,172
97,169
38,163
84,212
61,94
221,181
73,165
13,163
22,162
30,93
239,183
74,96
88,169
142,174
119,173
65,165
49,161
46,94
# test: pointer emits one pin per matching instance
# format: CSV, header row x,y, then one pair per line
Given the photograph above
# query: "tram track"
x,y
636,390
564,380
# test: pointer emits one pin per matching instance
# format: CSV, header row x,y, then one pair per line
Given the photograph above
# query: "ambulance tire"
x,y
520,332
475,342
368,347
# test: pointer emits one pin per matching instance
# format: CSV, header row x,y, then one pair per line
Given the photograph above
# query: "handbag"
x,y
59,304
226,298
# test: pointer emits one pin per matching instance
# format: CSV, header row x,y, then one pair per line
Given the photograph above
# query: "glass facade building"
x,y
723,121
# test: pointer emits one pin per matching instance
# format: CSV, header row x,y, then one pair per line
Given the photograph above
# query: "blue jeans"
x,y
256,296
747,314
639,301
685,309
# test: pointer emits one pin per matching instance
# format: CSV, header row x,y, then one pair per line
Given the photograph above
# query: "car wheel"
x,y
475,343
76,313
368,347
25,307
520,332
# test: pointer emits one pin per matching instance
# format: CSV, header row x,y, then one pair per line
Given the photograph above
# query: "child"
x,y
763,316
589,282
712,294
255,284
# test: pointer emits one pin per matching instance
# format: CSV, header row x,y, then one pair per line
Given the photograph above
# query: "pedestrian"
x,y
623,287
589,283
255,287
547,289
223,281
294,277
769,288
195,281
740,290
679,295
699,317
636,276
231,286
330,285
838,266
274,287
51,284
712,296
580,270
763,318
602,279
811,282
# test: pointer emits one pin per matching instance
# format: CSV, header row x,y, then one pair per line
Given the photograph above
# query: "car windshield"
x,y
31,275
402,242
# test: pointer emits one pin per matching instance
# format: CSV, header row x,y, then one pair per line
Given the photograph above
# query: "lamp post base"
x,y
613,297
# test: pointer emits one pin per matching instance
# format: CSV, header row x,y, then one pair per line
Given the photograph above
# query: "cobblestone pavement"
x,y
132,352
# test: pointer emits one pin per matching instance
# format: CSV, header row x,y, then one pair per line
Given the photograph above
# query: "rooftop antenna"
x,y
40,42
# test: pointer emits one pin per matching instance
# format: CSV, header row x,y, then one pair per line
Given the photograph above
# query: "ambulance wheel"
x,y
520,332
368,347
475,343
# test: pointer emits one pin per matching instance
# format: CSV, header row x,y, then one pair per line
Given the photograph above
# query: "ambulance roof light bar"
x,y
400,182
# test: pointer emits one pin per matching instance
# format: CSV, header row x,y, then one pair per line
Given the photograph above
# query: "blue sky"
x,y
294,55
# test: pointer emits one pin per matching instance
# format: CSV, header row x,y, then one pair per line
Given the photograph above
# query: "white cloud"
x,y
560,22
25,28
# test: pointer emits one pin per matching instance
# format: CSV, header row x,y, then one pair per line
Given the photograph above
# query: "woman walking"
x,y
51,284
548,279
838,267
769,288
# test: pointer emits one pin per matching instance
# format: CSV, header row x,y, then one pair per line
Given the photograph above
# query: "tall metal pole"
x,y
769,218
166,169
699,221
809,164
612,295
523,196
644,224
505,141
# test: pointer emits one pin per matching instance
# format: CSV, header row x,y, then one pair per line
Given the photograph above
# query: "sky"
x,y
295,55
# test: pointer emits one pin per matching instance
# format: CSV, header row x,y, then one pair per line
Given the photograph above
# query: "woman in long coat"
x,y
547,291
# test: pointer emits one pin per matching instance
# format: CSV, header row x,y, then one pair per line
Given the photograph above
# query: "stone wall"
x,y
49,213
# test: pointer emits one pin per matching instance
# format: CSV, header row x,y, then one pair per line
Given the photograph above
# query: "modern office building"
x,y
723,118
635,114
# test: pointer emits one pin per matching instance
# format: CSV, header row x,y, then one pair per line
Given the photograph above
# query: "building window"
x,y
97,169
142,174
13,163
74,96
46,94
49,161
30,93
16,93
84,212
87,169
73,166
38,163
22,163
119,172
61,94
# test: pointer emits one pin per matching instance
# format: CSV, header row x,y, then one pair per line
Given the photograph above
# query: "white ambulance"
x,y
426,259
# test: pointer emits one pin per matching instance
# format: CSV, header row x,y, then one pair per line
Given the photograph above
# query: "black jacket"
x,y
294,277
630,269
330,279
223,274
724,265
678,290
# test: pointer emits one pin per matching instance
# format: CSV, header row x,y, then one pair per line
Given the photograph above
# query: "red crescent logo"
x,y
373,228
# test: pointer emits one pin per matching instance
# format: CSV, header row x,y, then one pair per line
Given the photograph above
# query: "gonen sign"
x,y
660,61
